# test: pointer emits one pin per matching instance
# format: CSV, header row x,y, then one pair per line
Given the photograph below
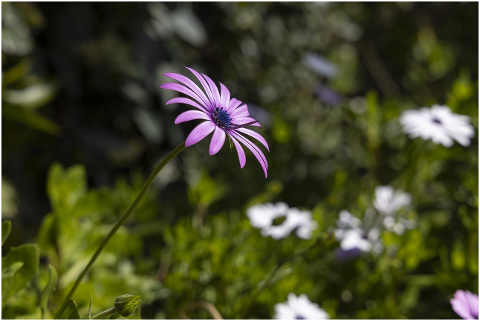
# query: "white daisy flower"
x,y
352,235
438,124
347,220
388,201
365,241
398,226
263,216
299,308
303,222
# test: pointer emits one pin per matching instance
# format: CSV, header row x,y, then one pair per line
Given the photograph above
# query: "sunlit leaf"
x,y
51,285
70,312
48,233
89,314
6,229
65,187
189,27
29,255
30,97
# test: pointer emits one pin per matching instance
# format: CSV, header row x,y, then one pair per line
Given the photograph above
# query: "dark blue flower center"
x,y
221,118
436,120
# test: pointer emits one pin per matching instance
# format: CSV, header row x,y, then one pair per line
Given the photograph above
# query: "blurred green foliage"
x,y
84,122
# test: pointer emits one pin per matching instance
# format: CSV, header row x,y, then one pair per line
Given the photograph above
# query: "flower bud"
x,y
126,304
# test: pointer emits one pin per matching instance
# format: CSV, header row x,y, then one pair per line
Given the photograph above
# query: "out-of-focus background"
x,y
84,122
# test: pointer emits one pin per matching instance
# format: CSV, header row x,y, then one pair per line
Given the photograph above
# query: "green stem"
x,y
105,313
120,222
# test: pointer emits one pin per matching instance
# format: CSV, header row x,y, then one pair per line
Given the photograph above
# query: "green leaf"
x,y
30,118
374,119
458,256
280,130
52,283
17,72
90,307
48,233
6,229
28,254
70,312
65,187
7,275
31,97
10,271
206,191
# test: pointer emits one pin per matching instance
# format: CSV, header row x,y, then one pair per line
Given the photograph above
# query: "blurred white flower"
x,y
352,235
303,222
365,241
263,216
299,308
438,124
320,65
398,226
388,201
347,220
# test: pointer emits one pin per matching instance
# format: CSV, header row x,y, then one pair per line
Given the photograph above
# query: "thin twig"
x,y
200,305
378,70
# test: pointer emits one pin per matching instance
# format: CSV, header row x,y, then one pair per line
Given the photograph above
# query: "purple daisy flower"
x,y
327,95
465,304
223,116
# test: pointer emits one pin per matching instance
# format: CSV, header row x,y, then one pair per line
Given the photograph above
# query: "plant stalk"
x,y
105,313
120,222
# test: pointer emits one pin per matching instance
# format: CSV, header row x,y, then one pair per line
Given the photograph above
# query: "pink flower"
x,y
465,304
222,115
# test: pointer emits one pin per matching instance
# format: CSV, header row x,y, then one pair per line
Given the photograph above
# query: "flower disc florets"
x,y
221,118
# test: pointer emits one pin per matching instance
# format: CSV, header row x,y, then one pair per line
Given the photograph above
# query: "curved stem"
x,y
201,305
120,222
105,313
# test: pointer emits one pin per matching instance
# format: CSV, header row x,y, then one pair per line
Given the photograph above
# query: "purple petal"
x,y
327,95
473,302
190,84
254,149
242,120
461,305
183,90
224,97
199,133
214,89
345,255
255,135
241,111
218,139
204,84
234,103
240,152
183,100
191,115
